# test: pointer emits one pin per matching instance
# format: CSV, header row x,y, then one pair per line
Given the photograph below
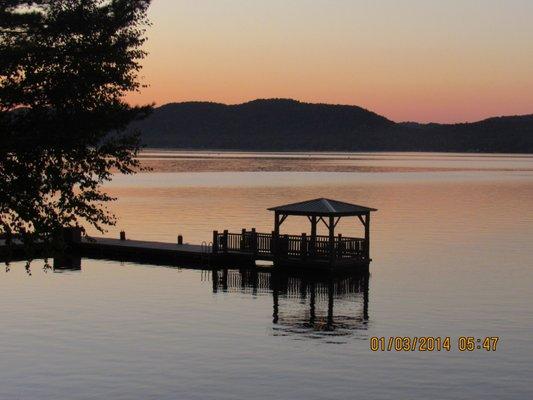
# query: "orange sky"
x,y
421,60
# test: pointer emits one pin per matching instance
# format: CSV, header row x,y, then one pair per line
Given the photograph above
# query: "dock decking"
x,y
149,251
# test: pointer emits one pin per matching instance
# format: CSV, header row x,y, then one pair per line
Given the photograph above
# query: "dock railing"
x,y
288,246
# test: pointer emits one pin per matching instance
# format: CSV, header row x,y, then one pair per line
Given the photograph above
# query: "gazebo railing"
x,y
303,246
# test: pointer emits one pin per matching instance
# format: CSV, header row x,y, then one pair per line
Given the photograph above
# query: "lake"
x,y
452,257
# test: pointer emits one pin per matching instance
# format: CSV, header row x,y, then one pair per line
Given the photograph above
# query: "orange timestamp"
x,y
433,343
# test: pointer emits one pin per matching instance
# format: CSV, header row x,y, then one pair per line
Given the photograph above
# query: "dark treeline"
x,y
280,124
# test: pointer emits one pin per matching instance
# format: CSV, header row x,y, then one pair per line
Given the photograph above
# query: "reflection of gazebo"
x,y
305,304
305,250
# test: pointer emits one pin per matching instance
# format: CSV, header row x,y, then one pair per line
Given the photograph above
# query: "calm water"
x,y
452,252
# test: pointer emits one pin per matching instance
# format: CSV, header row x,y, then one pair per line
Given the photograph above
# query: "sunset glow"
x,y
416,60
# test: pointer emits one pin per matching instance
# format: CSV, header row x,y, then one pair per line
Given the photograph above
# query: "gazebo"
x,y
304,250
336,248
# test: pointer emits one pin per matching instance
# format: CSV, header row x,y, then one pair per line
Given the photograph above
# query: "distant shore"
x,y
280,125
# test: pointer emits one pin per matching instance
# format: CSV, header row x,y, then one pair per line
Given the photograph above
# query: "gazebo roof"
x,y
322,207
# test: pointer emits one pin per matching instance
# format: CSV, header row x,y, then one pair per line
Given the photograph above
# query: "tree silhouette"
x,y
65,66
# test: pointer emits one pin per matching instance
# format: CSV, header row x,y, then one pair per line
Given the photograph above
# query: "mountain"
x,y
281,124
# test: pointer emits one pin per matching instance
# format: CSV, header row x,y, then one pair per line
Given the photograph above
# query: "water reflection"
x,y
183,161
325,306
313,305
305,305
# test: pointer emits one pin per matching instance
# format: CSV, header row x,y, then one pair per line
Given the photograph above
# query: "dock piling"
x,y
254,242
243,239
303,247
274,244
71,235
215,242
225,241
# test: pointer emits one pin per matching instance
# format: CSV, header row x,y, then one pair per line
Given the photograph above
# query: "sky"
x,y
409,60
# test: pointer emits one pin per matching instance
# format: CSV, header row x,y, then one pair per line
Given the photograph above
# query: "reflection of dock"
x,y
314,304
324,304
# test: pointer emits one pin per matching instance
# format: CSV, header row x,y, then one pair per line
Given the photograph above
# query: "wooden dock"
x,y
244,249
231,250
236,250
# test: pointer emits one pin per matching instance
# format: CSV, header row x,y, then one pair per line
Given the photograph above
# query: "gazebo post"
x,y
367,236
276,233
313,234
331,228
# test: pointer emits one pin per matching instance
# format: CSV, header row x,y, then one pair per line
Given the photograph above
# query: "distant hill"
x,y
281,124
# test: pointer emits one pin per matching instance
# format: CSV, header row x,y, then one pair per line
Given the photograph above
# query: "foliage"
x,y
65,66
